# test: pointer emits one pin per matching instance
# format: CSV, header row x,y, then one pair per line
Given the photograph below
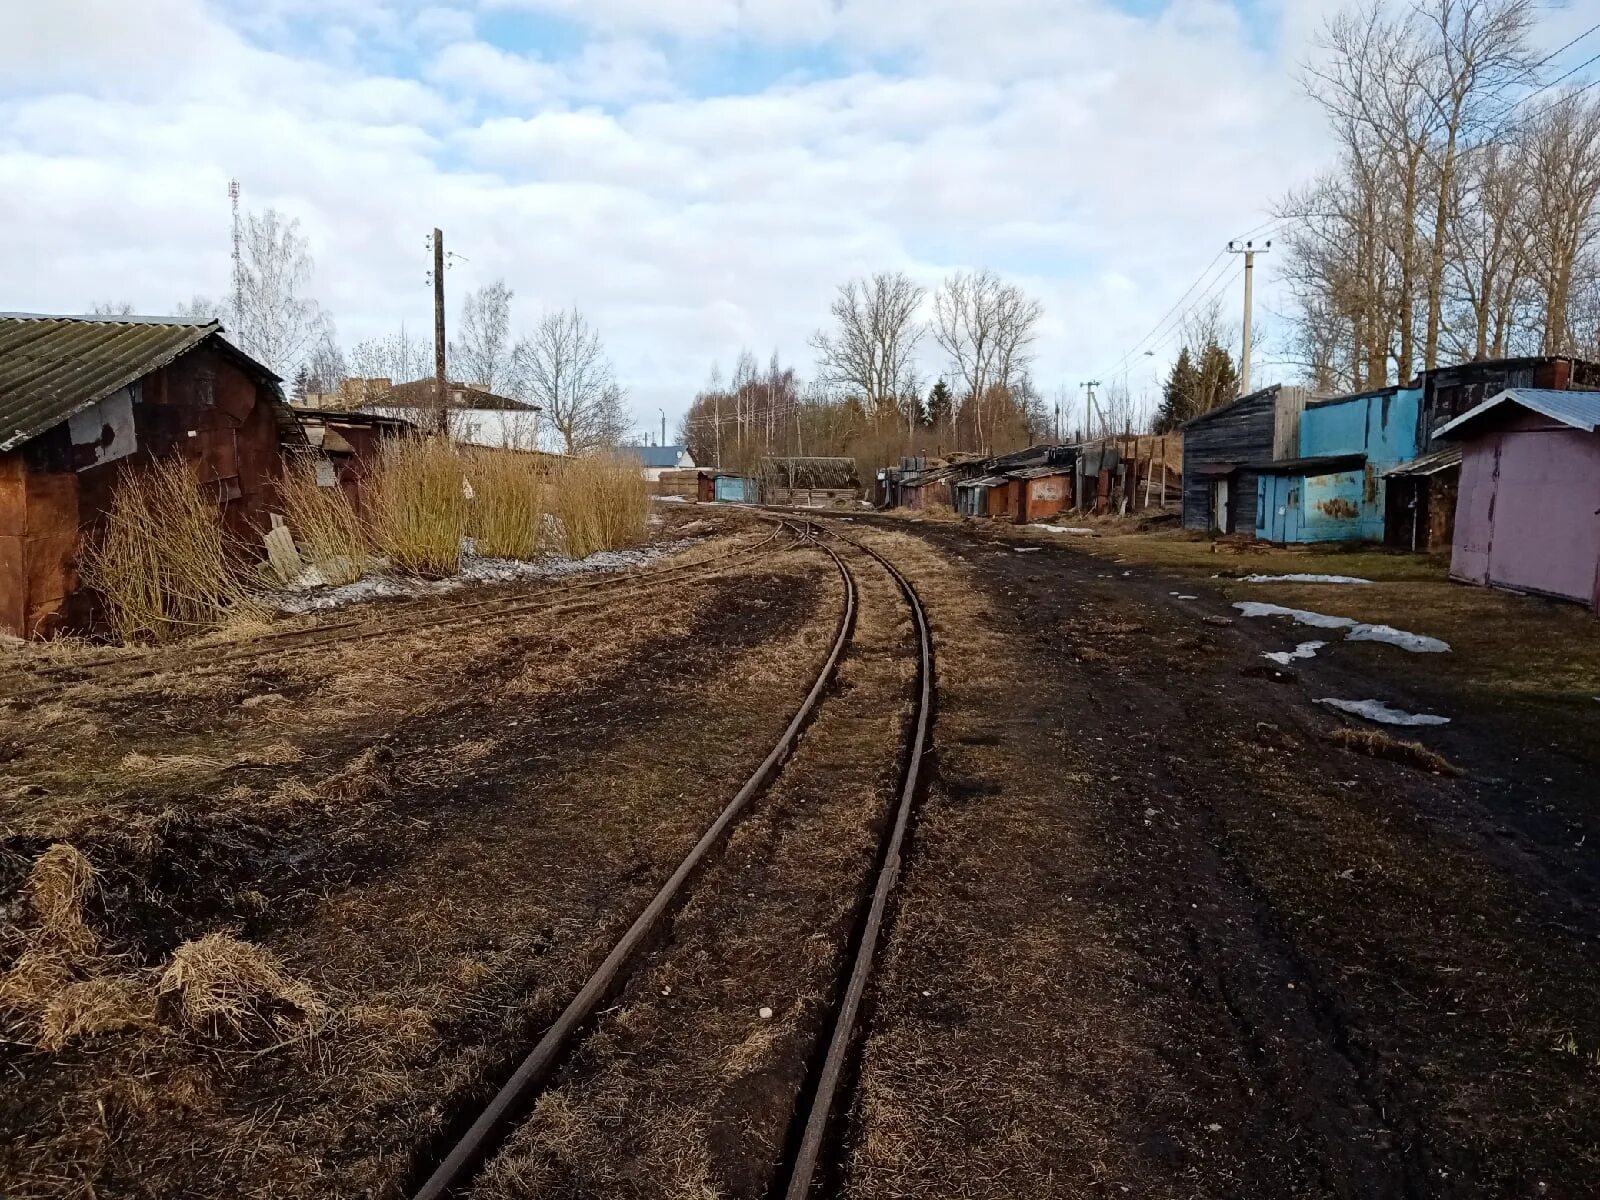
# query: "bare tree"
x,y
569,376
112,308
482,354
1563,161
874,339
325,366
278,323
201,309
985,326
1481,51
378,363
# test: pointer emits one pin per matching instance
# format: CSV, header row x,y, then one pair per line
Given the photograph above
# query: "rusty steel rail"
x,y
283,642
514,1099
803,1172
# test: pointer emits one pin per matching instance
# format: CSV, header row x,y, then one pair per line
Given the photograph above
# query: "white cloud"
x,y
1099,158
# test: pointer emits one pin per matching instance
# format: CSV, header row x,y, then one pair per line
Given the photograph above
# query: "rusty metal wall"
x,y
56,489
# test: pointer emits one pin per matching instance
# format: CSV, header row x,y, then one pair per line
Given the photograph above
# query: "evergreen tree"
x,y
1218,380
302,384
941,405
1179,393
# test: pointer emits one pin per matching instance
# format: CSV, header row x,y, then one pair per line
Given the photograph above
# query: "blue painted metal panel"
x,y
1278,508
735,489
1349,505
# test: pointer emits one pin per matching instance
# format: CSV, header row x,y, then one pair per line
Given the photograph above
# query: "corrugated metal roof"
x,y
1428,464
1041,472
1581,410
53,367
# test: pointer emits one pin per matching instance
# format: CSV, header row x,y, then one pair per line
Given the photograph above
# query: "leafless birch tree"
x,y
985,327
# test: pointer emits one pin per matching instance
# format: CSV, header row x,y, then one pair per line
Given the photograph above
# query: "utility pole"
x,y
716,421
1249,250
441,414
1089,388
663,413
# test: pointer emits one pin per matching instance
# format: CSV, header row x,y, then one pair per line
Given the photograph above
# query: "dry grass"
x,y
219,986
164,565
58,885
418,504
1374,743
326,527
508,504
601,503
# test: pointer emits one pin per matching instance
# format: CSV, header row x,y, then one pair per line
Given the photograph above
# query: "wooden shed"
x,y
1221,448
83,399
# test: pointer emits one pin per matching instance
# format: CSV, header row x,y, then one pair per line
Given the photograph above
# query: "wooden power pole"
x,y
441,410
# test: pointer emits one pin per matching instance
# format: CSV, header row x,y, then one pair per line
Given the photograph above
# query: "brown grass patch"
x,y
419,508
602,504
326,527
164,566
221,987
508,504
1374,743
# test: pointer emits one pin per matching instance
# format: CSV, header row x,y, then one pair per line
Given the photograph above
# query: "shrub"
x,y
602,504
508,499
417,505
164,564
326,527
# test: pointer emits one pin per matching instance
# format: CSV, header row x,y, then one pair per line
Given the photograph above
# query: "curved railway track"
x,y
824,1095
45,681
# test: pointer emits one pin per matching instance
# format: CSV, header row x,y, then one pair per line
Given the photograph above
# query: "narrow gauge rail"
x,y
822,1099
61,676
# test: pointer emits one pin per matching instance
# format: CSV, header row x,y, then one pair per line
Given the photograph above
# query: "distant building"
x,y
654,460
476,417
84,399
1528,515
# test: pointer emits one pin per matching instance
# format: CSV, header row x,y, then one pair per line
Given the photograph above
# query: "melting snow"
x,y
308,594
1062,529
1377,710
1027,549
1304,579
1360,631
1304,650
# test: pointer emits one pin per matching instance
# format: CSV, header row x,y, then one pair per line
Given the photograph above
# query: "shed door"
x,y
1219,506
1546,531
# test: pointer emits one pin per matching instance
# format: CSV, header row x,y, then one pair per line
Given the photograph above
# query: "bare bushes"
x,y
418,505
326,527
508,504
164,565
602,504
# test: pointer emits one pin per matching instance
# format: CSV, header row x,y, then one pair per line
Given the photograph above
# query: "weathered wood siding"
x,y
1241,432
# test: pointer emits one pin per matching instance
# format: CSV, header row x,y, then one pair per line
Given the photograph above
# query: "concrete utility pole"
x,y
663,413
439,380
1249,250
1089,388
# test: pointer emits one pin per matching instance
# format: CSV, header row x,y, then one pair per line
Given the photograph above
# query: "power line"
x,y
1137,346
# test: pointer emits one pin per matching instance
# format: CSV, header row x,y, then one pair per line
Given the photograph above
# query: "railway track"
x,y
822,1097
45,681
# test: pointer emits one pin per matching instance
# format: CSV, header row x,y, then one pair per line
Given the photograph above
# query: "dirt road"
x,y
1163,929
1163,938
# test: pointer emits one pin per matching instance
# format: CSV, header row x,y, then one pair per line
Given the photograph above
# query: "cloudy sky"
x,y
696,175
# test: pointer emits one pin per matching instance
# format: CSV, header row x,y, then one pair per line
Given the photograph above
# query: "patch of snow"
x,y
1415,642
669,499
1359,631
1188,597
1304,579
1062,529
1304,650
1026,549
310,596
1377,710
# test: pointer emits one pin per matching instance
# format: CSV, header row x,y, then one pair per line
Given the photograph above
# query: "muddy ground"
x,y
1167,927
1161,936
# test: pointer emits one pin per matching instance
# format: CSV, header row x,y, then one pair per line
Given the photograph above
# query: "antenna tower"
x,y
238,256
